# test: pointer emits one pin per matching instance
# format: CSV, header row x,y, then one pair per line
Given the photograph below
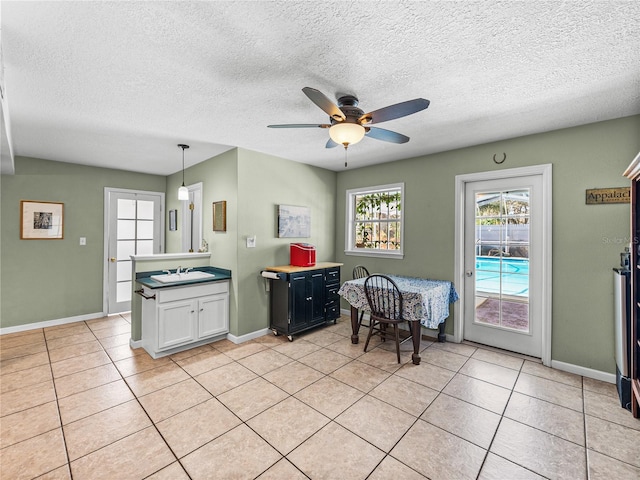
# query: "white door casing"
x,y
540,272
191,222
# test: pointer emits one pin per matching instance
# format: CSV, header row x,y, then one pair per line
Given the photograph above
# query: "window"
x,y
375,221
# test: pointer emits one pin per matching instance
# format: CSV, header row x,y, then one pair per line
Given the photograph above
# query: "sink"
x,y
181,277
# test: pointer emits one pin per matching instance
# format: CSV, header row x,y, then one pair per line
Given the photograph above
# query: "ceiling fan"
x,y
349,124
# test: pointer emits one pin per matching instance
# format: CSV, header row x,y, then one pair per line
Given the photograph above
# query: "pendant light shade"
x,y
346,133
183,192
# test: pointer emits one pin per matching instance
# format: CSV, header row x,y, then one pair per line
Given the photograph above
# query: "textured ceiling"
x,y
120,84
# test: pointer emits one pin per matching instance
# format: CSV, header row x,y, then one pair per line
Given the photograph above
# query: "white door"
x,y
134,226
503,263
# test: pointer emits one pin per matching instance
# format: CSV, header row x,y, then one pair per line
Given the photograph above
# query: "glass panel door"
x,y
503,263
134,224
502,259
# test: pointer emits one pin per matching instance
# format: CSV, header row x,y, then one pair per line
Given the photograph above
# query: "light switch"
x,y
251,242
83,240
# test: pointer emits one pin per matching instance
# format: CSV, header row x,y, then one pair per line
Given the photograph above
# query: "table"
x,y
425,302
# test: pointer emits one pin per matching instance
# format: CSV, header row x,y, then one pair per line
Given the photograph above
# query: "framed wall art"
x,y
294,222
220,216
41,220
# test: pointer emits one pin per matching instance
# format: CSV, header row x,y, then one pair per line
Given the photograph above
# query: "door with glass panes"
x,y
134,222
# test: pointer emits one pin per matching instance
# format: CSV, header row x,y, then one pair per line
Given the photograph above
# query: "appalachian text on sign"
x,y
598,196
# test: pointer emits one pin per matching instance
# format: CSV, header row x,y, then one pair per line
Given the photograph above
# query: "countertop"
x,y
144,278
294,269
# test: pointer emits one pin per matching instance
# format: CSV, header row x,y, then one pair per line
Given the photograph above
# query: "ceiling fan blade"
x,y
386,135
319,98
331,144
301,125
394,111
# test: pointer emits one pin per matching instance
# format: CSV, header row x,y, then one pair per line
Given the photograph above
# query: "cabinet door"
x,y
176,323
315,288
213,315
299,299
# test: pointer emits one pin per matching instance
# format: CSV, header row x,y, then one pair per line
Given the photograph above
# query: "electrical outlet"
x,y
83,240
251,242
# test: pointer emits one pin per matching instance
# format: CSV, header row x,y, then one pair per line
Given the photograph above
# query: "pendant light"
x,y
183,192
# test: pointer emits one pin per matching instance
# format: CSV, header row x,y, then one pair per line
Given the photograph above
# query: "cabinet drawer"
x,y
331,293
333,311
191,291
332,275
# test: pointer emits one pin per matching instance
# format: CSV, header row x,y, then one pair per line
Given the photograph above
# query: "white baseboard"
x,y
51,323
248,336
584,371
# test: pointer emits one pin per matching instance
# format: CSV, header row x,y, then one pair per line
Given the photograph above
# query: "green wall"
x,y
587,239
253,185
264,183
219,177
47,280
52,279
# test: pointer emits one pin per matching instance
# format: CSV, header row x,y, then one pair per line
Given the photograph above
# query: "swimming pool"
x,y
512,273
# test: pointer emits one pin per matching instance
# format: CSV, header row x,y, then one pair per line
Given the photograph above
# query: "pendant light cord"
x,y
183,165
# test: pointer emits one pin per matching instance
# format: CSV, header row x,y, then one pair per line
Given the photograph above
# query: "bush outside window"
x,y
375,221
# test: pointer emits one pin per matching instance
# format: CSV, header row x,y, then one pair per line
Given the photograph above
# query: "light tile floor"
x,y
77,402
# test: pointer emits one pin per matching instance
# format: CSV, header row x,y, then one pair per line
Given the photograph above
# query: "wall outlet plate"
x,y
83,240
251,242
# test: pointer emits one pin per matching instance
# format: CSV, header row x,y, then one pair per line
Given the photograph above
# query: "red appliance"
x,y
302,255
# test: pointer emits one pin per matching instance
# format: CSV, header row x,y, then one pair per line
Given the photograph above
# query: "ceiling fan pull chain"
x,y
345,155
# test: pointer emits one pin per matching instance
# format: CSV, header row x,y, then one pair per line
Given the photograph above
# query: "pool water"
x,y
513,273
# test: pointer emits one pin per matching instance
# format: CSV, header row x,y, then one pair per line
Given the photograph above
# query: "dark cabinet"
x,y
304,299
633,172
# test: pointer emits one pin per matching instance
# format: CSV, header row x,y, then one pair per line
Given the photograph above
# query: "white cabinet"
x,y
179,318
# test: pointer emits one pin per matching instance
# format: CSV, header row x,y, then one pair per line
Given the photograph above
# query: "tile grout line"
x,y
325,375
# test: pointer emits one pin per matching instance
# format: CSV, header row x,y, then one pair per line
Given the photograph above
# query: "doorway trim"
x,y
461,181
195,193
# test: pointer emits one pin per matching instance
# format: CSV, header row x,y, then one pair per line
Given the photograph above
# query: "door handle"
x,y
468,273
112,259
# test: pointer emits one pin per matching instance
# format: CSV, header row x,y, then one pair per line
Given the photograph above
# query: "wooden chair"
x,y
385,301
360,271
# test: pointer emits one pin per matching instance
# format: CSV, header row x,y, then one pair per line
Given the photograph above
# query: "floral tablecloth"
x,y
426,301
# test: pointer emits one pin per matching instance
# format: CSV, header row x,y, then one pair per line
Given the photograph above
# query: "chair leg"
x,y
397,333
361,318
371,325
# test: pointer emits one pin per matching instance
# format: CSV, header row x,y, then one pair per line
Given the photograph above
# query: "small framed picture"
x,y
173,220
220,216
41,220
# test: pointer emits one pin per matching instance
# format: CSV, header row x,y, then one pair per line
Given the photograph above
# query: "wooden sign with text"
x,y
599,196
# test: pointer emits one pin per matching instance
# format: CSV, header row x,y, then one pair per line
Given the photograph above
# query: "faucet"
x,y
179,270
187,270
168,272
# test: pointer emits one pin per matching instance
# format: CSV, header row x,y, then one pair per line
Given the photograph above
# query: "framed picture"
x,y
173,220
41,220
294,222
220,216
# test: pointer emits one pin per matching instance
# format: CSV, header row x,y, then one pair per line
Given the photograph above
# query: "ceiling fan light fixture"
x,y
346,133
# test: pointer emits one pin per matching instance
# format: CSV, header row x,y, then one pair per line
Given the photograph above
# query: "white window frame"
x,y
350,233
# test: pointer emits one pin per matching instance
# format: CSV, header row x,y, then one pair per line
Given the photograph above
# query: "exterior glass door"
x,y
503,258
134,229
